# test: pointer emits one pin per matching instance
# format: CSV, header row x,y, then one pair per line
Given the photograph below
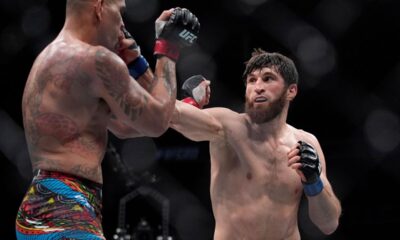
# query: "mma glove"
x,y
181,30
311,168
192,92
139,65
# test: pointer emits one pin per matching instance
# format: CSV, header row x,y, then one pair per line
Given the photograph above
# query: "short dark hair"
x,y
284,65
74,6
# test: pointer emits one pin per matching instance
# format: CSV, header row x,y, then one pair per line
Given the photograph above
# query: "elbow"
x,y
124,135
330,227
162,124
121,136
326,225
159,129
159,122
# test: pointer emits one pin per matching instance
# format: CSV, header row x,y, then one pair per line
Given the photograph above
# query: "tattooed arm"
x,y
133,106
121,130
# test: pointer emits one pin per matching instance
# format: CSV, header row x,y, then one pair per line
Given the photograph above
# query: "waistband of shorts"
x,y
40,173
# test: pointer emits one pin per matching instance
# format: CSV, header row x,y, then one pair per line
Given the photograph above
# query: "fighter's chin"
x,y
257,114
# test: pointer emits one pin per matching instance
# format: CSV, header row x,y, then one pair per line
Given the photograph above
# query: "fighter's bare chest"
x,y
260,152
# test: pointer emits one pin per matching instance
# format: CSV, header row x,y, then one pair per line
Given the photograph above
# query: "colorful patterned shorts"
x,y
60,206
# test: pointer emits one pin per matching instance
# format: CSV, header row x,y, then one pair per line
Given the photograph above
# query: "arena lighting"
x,y
337,15
316,55
382,129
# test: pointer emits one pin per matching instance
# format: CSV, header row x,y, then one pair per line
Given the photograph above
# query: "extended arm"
x,y
196,124
160,86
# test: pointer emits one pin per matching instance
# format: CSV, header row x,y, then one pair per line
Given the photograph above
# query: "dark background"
x,y
347,54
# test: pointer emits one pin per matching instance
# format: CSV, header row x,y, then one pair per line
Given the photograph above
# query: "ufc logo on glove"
x,y
188,36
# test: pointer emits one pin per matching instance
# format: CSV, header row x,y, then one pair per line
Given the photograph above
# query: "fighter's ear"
x,y
291,91
98,8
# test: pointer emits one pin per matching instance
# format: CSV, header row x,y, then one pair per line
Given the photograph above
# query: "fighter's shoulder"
x,y
303,135
222,113
105,57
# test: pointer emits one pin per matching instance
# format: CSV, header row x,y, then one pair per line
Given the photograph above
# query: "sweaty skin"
x,y
66,125
255,190
79,88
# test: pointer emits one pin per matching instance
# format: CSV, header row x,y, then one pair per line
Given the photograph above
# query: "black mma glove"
x,y
311,168
181,30
192,92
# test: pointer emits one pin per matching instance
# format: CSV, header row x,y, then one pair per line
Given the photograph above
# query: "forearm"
x,y
164,89
325,209
147,80
145,75
122,130
194,123
182,124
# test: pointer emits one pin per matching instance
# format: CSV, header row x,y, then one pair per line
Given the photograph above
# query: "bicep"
x,y
315,143
196,124
115,85
125,97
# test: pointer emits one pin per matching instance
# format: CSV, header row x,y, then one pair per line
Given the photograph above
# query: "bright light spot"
x,y
382,129
316,55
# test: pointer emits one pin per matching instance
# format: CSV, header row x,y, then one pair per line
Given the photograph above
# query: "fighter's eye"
x,y
268,78
251,80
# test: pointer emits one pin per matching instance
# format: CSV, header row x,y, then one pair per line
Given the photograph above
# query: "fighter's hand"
x,y
304,159
175,28
130,52
196,91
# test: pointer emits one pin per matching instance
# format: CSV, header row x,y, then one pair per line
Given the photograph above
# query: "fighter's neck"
x,y
274,128
78,30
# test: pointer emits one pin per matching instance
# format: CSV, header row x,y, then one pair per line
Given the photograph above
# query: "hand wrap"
x,y
140,65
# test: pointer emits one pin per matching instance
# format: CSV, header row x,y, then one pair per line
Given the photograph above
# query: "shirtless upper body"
x,y
79,88
256,186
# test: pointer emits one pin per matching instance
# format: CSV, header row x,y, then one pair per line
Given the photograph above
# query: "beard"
x,y
264,114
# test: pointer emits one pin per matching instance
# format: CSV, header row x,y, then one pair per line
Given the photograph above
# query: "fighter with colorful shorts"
x,y
60,206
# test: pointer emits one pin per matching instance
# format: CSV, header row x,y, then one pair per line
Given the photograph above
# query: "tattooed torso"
x,y
65,124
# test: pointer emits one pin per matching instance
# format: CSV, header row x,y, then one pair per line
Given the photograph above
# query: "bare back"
x,y
254,193
65,123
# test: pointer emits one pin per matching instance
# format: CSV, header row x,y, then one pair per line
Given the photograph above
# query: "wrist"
x,y
191,101
314,188
166,48
138,67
